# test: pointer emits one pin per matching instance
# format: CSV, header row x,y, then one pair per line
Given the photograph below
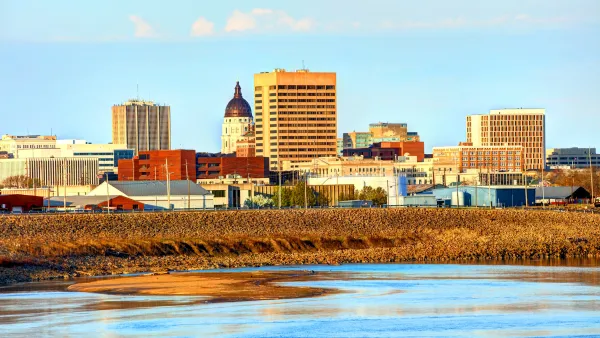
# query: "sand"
x,y
216,286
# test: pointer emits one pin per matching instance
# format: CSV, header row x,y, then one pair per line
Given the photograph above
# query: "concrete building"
x,y
379,133
467,156
237,121
108,155
154,165
58,171
50,191
332,168
177,195
296,115
13,143
142,125
340,146
389,150
392,132
572,158
356,139
210,167
511,127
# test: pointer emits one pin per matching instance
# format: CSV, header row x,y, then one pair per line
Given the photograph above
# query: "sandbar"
x,y
215,286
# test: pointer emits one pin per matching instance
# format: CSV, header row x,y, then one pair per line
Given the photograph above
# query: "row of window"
x,y
301,100
283,119
301,94
304,157
300,87
495,159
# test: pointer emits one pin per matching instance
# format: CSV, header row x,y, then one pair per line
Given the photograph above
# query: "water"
x,y
419,300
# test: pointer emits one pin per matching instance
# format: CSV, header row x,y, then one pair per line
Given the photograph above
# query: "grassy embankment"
x,y
37,247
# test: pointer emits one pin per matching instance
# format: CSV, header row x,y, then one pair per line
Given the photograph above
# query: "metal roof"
x,y
558,192
157,188
77,200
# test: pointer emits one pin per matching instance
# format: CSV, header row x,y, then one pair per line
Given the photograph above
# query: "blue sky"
x,y
63,64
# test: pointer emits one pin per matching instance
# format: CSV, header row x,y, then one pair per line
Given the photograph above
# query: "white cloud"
x,y
202,27
142,28
265,19
240,22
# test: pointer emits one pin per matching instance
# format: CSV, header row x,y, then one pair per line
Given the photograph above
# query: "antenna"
x,y
303,67
137,85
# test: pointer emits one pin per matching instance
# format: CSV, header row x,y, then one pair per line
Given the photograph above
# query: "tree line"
x,y
19,182
294,196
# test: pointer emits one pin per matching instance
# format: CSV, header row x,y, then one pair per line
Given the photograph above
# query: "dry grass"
x,y
297,237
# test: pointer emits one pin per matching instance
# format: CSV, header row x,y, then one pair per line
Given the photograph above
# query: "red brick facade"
x,y
213,167
150,165
407,148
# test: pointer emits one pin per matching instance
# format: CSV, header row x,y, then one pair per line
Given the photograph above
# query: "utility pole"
x,y
526,192
387,184
188,183
279,174
543,191
168,184
591,172
397,188
305,192
489,182
65,185
107,195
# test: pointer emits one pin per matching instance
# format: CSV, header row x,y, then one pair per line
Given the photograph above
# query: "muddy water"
x,y
433,300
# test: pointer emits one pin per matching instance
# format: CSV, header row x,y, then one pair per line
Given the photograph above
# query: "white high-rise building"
x,y
237,121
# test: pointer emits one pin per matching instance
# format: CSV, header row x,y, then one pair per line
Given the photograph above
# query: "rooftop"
x,y
155,188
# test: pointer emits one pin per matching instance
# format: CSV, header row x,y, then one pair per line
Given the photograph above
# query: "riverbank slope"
x,y
48,246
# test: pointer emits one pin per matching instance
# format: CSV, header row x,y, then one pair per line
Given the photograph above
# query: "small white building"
x,y
156,194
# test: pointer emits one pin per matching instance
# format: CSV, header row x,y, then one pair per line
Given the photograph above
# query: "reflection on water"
x,y
559,299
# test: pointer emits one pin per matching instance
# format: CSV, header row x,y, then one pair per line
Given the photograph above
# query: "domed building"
x,y
238,121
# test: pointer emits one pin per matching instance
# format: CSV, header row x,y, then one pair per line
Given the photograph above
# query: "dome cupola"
x,y
238,106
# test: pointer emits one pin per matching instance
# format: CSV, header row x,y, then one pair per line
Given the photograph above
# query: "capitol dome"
x,y
238,107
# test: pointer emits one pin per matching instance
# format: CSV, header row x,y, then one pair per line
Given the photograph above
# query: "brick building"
x,y
246,145
389,150
215,167
150,166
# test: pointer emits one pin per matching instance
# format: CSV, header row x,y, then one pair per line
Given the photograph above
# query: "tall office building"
x,y
295,115
142,125
511,127
237,121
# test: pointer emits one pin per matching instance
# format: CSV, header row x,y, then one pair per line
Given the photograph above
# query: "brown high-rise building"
x,y
142,125
511,127
295,115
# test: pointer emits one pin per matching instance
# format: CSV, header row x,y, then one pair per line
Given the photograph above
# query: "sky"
x,y
428,63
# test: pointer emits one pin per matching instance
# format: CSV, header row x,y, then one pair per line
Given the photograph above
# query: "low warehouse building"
x,y
561,195
159,195
20,203
483,196
95,203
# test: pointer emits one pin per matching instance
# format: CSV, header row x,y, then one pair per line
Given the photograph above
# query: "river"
x,y
418,300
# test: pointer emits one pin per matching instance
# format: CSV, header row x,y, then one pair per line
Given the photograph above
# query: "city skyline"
x,y
427,69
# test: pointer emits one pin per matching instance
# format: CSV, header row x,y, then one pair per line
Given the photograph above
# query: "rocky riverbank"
x,y
61,246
